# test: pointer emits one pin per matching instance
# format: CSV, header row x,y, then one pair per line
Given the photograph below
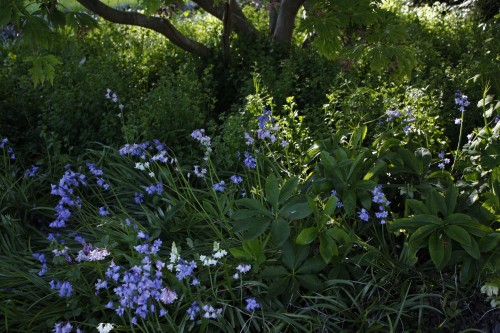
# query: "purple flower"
x,y
249,140
103,211
62,328
250,161
391,115
236,179
441,166
220,187
441,154
252,304
363,215
168,296
185,269
31,171
193,310
94,170
461,101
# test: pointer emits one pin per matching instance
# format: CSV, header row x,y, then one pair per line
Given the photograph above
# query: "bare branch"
x,y
160,25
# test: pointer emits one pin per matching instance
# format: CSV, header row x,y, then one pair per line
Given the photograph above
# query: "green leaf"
x,y
417,206
272,191
375,170
358,136
458,234
327,247
423,232
349,201
255,205
451,196
490,242
273,272
307,236
330,206
436,250
288,189
251,227
296,208
239,253
43,68
310,281
280,231
340,235
414,222
424,157
312,266
436,203
473,249
294,255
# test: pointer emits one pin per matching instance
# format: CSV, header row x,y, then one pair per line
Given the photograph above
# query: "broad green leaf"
x,y
311,266
307,236
458,234
294,255
43,68
340,235
436,250
424,158
414,222
490,242
310,281
358,136
356,167
327,247
273,272
436,203
423,232
245,224
255,205
349,201
451,196
468,270
417,206
330,206
272,191
242,214
296,208
288,189
473,249
239,253
279,286
280,231
375,170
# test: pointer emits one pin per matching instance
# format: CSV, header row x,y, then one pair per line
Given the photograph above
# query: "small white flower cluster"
x,y
174,257
241,269
144,167
94,255
105,327
491,290
217,253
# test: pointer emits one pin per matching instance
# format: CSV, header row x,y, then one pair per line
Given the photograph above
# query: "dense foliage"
x,y
149,190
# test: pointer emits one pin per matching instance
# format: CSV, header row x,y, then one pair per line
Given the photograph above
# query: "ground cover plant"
x,y
271,194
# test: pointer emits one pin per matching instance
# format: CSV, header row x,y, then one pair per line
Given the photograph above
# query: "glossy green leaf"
x,y
458,234
307,236
327,247
288,189
436,250
436,203
295,209
272,191
255,205
280,231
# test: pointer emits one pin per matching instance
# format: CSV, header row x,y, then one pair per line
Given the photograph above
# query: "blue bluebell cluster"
x,y
220,186
65,189
64,328
31,171
250,161
43,260
4,143
252,304
444,161
379,198
339,203
407,118
98,173
65,288
461,101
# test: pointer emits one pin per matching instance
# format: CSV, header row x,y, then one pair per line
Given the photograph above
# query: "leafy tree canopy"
x,y
350,29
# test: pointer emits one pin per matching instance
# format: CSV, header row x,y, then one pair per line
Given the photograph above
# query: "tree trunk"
x,y
160,25
285,22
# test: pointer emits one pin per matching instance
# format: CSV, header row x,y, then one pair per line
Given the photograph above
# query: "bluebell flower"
x,y
220,186
461,100
235,179
103,211
138,198
363,215
184,269
392,114
4,142
252,304
62,328
193,310
249,140
250,161
94,170
31,172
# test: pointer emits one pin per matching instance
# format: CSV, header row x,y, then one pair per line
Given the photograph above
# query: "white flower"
x,y
104,327
168,296
489,289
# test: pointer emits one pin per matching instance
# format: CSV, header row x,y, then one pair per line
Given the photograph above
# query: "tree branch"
x,y
160,25
240,23
285,22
